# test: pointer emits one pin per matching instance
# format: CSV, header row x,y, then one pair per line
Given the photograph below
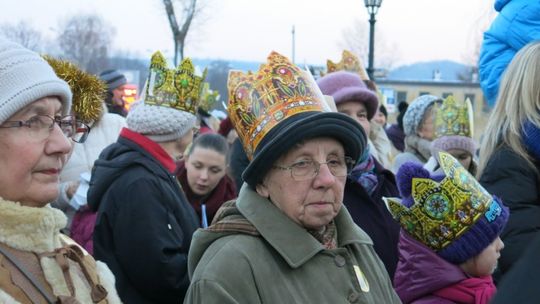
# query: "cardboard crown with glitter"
x,y
350,63
178,88
258,102
454,117
442,212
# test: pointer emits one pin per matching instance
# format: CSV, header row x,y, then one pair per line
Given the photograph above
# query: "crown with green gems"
x,y
454,117
178,88
208,97
443,211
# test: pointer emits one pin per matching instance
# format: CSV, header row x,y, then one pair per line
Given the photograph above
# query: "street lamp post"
x,y
372,7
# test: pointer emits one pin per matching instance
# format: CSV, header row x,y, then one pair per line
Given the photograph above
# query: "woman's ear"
x,y
262,190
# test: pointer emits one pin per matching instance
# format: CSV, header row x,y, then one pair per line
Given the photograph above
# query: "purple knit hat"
x,y
346,86
478,227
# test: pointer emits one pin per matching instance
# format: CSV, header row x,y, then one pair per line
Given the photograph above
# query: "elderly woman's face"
x,y
31,166
314,202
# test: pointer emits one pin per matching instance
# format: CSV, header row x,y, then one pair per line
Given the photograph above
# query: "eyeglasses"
x,y
41,126
308,169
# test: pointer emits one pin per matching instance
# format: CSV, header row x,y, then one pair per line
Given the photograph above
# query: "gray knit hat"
x,y
113,79
158,123
26,77
415,113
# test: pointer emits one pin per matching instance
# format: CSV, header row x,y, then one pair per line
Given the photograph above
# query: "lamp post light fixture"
x,y
372,7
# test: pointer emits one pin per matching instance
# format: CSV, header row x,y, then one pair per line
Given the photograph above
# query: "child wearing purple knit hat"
x,y
453,134
449,243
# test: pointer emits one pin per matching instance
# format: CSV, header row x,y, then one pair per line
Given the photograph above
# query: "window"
x,y
444,95
471,98
423,93
401,96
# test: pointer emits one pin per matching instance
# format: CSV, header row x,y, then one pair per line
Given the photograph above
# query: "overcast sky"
x,y
411,30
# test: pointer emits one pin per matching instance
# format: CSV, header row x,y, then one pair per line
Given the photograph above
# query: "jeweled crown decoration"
x,y
208,98
258,102
350,63
443,211
178,88
454,118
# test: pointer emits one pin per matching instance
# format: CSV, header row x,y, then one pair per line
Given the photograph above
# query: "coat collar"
x,y
30,228
289,239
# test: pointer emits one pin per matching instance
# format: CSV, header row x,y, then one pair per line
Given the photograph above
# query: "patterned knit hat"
x,y
452,214
415,113
167,108
26,77
346,86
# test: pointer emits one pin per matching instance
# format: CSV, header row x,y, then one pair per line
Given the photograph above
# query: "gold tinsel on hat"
x,y
88,90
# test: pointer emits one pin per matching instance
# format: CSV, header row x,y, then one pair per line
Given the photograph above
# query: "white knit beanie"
x,y
26,77
159,123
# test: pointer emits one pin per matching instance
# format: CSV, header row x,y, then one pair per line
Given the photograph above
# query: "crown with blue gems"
x,y
178,88
350,63
454,117
441,212
279,90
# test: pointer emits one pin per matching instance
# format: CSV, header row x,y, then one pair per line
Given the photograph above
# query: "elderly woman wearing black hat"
x,y
37,263
287,238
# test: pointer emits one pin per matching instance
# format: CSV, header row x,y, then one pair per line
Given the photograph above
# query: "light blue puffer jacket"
x,y
517,24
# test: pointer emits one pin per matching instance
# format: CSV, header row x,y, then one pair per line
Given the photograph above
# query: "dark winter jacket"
x,y
508,176
371,214
144,224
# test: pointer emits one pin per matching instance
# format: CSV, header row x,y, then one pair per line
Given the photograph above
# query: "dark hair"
x,y
402,108
383,110
211,141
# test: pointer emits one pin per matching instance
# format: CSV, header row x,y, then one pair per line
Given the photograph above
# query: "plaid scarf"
x,y
328,237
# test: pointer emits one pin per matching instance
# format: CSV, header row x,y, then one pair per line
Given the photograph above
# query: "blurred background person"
x,y
203,176
453,134
510,153
144,223
395,131
368,181
114,99
419,131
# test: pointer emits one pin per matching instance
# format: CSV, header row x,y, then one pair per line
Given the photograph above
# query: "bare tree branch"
x,y
24,34
189,11
86,40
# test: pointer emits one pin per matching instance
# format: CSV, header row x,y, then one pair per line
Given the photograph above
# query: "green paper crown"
x,y
179,89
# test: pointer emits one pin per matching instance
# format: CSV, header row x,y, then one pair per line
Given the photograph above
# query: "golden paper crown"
x,y
208,98
443,211
88,90
179,89
454,118
350,63
258,102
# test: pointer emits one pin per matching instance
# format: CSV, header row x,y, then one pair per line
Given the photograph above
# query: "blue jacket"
x,y
517,24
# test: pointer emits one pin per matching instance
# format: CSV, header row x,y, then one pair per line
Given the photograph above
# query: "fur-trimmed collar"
x,y
30,228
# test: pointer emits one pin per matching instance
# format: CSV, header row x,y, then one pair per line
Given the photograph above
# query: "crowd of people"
x,y
304,193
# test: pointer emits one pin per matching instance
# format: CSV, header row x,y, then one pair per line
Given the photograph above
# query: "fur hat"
x,y
26,77
346,86
452,213
415,113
